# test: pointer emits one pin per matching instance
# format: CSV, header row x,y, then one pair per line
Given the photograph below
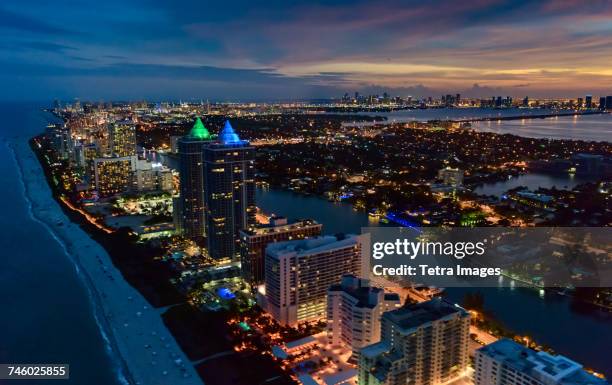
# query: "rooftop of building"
x,y
199,131
412,316
359,289
535,196
301,342
392,297
278,225
384,355
311,245
228,138
130,158
376,349
540,365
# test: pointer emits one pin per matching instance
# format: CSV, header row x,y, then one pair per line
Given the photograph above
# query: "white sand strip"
x,y
136,332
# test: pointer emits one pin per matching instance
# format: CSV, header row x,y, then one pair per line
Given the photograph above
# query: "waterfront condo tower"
x,y
190,208
229,192
298,274
420,344
253,242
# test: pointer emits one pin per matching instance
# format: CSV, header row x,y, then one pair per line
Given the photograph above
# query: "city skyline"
x,y
148,49
209,223
332,192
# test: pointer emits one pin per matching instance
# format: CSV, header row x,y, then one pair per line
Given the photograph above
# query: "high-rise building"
x,y
354,310
91,153
114,175
253,242
229,191
174,143
451,176
78,156
60,136
506,362
191,210
609,102
152,177
420,344
602,103
122,137
298,274
588,103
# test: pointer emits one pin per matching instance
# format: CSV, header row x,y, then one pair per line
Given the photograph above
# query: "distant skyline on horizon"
x,y
274,50
335,98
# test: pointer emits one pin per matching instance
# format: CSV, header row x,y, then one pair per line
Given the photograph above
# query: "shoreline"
x,y
129,339
538,134
122,371
534,116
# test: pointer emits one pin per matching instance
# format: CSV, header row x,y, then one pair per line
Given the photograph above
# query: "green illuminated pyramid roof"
x,y
198,131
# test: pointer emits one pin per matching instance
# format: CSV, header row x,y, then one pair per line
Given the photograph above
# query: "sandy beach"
x,y
136,335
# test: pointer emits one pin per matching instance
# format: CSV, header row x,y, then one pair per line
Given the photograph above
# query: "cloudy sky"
x,y
270,50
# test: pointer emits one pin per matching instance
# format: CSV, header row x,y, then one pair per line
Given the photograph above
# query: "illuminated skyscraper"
x,y
298,274
114,175
253,242
229,191
122,137
588,101
190,209
420,344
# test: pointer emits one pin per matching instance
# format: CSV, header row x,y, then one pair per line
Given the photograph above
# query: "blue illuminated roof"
x,y
228,135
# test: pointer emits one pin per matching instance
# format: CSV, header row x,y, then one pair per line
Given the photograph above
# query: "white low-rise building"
x,y
354,309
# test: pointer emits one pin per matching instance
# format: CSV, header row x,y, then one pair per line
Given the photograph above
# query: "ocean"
x,y
49,315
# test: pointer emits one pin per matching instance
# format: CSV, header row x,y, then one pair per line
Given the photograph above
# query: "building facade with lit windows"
x,y
354,310
253,242
298,274
190,209
152,177
122,137
451,176
229,192
420,344
114,175
506,362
